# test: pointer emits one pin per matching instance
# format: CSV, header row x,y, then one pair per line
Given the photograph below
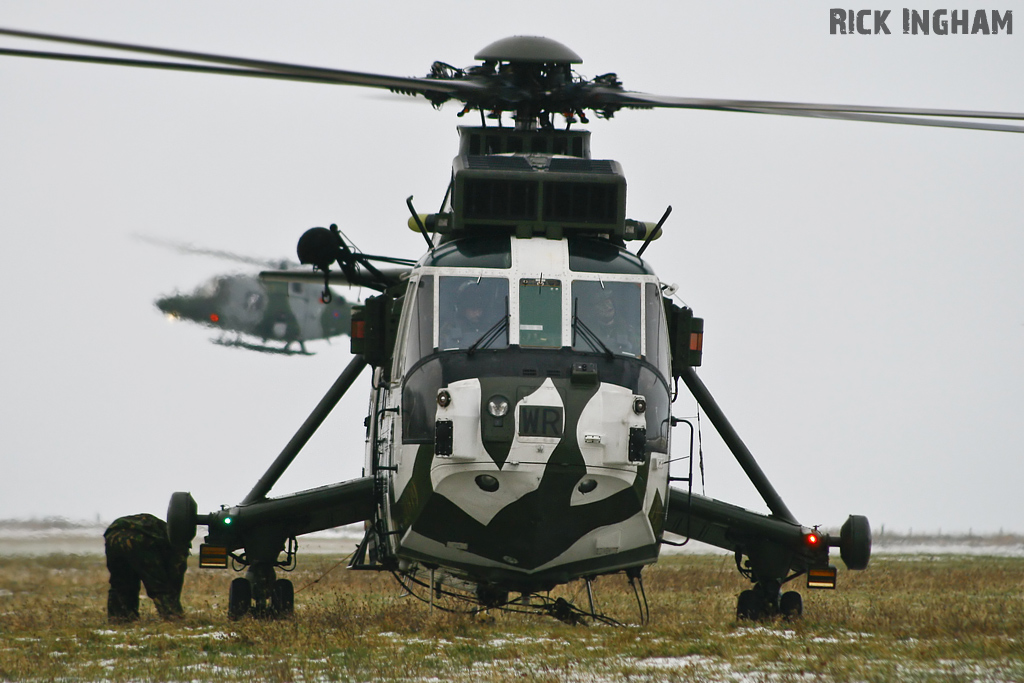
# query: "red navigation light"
x,y
214,317
812,539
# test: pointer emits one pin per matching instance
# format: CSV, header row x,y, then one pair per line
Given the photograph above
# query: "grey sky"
x,y
861,283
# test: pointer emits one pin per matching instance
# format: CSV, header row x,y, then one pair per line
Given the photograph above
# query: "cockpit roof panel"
x,y
586,255
491,251
601,256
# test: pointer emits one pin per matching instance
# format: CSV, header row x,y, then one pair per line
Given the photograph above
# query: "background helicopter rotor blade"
x,y
187,248
262,68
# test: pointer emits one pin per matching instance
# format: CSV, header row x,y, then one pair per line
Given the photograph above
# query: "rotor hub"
x,y
529,50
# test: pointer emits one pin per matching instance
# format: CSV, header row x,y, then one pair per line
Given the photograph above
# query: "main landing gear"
x,y
770,565
260,593
766,600
249,597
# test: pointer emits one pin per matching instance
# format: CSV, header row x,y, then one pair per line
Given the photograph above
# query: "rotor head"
x,y
528,50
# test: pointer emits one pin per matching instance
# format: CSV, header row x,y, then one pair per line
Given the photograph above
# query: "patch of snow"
x,y
761,630
676,662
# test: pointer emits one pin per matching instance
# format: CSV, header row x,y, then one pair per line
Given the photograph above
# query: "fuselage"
x,y
277,311
521,434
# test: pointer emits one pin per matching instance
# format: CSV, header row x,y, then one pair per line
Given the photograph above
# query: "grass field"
x,y
907,618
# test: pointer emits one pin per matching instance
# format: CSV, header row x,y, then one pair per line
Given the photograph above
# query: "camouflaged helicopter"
x,y
523,369
242,306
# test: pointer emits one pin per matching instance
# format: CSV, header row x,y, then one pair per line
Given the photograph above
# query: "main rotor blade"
x,y
300,72
944,118
168,66
645,99
487,93
904,120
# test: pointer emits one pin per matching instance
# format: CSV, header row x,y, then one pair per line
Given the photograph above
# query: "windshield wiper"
x,y
488,337
588,335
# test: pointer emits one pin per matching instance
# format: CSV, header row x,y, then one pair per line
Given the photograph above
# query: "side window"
x,y
657,332
471,310
606,314
419,402
420,333
657,415
540,313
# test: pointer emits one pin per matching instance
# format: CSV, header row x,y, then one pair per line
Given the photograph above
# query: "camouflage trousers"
x,y
137,561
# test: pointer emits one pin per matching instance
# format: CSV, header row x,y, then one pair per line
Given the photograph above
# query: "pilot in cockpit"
x,y
475,312
611,312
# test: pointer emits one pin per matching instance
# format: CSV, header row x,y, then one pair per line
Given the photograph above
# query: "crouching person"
x,y
139,552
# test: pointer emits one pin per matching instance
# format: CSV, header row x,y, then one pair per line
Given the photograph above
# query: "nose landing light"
x,y
497,406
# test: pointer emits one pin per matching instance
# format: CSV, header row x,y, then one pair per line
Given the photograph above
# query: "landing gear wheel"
x,y
748,606
791,606
239,599
261,578
282,599
491,596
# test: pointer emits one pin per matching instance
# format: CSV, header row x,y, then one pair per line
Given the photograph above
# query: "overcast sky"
x,y
861,284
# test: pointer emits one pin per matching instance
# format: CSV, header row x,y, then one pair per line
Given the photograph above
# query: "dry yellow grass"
x,y
906,618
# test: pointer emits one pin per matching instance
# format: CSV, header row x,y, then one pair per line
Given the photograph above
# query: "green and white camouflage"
x,y
548,489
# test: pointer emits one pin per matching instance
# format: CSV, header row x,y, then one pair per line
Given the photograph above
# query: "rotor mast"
x,y
537,75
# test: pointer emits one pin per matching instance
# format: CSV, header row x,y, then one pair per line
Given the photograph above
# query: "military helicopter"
x,y
523,370
245,305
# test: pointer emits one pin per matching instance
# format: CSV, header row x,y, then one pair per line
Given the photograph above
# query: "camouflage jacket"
x,y
143,529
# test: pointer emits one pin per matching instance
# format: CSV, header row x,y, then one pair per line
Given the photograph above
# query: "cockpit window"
x,y
606,316
209,288
472,310
540,313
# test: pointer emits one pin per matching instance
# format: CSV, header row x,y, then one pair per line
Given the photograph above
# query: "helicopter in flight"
x,y
242,306
524,369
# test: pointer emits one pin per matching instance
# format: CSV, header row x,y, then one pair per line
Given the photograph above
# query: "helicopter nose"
x,y
168,307
195,309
